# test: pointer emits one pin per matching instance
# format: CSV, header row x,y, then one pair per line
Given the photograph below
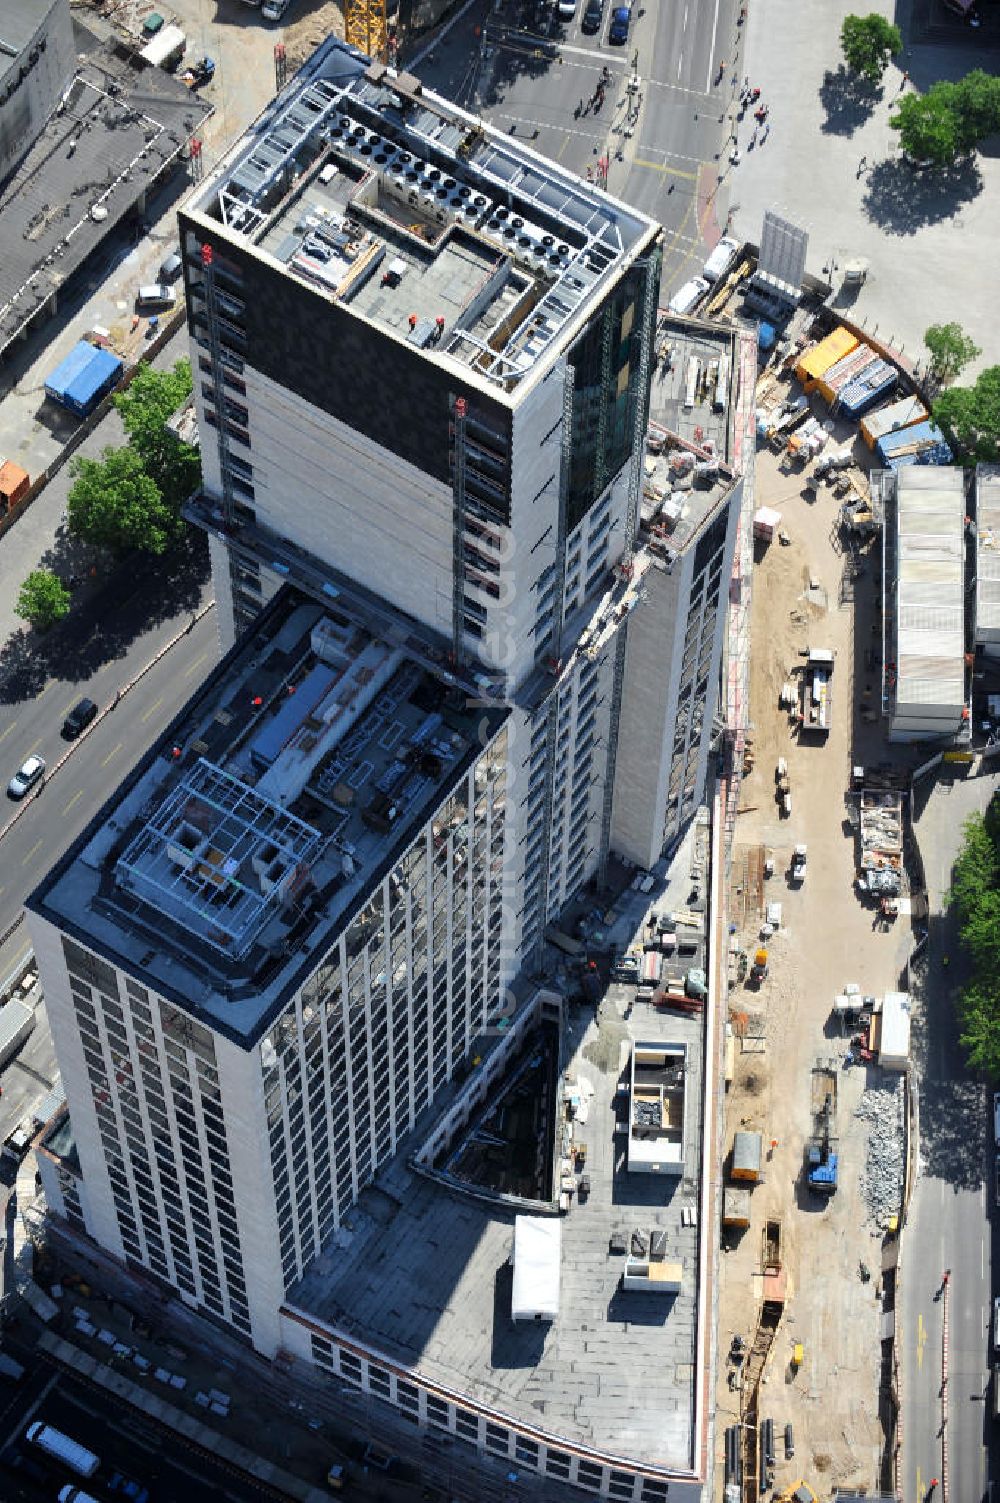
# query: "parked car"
x,y
567,10
155,295
28,774
593,15
79,718
689,295
621,20
720,260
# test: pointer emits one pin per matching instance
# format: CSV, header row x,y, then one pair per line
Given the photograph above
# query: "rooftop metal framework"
x,y
218,857
552,227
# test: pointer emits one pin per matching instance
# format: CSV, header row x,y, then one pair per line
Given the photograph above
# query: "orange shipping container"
x,y
15,484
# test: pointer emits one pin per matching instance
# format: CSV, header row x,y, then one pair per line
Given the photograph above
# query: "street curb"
x,y
103,714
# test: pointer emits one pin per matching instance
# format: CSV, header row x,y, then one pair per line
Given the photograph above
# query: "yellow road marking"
x,y
690,177
32,853
6,733
77,795
195,665
66,708
33,747
152,709
921,1342
111,754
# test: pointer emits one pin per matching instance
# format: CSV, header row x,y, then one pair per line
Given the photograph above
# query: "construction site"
x,y
815,1121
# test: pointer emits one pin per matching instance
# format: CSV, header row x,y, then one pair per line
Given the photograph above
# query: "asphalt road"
x,y
950,1221
49,819
533,76
125,1440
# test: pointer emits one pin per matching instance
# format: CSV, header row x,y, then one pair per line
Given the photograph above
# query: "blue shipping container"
x,y
874,382
83,378
926,435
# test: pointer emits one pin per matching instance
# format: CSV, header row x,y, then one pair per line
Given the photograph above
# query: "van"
x,y
156,295
689,295
720,260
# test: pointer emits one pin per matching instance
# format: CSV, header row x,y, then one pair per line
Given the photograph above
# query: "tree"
x,y
150,400
976,102
868,43
951,350
969,417
975,897
928,126
43,599
115,503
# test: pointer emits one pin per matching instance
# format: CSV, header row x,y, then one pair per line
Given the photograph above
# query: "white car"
x,y
567,10
27,775
720,260
691,293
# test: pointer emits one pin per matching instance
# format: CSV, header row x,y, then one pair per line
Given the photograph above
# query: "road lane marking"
x,y
111,754
195,665
33,747
712,68
680,63
66,708
77,795
691,177
152,709
6,733
685,27
921,1340
32,853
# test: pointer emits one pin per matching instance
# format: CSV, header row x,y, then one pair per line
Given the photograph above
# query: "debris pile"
x,y
882,1177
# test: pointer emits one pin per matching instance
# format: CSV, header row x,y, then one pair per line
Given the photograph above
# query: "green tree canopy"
x,y
43,599
868,42
969,417
975,897
950,119
150,400
116,504
927,126
951,350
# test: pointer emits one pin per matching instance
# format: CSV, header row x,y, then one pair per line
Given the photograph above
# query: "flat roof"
x,y
930,586
421,1274
988,548
18,24
253,829
394,202
91,163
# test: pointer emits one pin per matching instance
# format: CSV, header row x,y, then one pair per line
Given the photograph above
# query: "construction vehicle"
x,y
365,27
798,872
758,971
816,692
821,1148
799,1492
199,73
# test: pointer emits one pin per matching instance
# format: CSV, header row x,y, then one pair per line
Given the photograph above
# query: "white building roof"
x,y
895,1045
537,1256
988,553
930,610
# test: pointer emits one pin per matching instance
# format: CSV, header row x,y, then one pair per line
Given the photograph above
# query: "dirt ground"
x,y
807,594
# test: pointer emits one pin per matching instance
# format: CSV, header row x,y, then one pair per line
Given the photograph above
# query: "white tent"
x,y
537,1255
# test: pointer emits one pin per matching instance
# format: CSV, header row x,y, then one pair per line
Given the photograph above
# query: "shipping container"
x,y
898,415
652,961
15,484
818,360
869,386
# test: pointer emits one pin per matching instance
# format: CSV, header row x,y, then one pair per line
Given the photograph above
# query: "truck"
x,y
63,1448
798,872
822,1147
17,1020
816,693
86,375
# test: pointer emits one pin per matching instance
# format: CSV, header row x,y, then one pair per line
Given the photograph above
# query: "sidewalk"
x,y
831,164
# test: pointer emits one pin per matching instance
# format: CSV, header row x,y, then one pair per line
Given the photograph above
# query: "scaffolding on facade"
x,y
740,586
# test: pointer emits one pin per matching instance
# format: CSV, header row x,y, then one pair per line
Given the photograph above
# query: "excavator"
x,y
799,1492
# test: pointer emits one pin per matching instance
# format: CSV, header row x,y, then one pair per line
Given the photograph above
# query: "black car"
x,y
593,16
79,718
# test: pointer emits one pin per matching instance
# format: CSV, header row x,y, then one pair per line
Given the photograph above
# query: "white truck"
x,y
64,1448
798,872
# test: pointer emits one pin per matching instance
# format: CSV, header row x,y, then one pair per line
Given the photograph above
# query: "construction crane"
x,y
365,26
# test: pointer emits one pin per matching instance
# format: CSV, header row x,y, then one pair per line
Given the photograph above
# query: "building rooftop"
x,y
253,830
91,164
421,219
988,549
18,24
421,1274
930,586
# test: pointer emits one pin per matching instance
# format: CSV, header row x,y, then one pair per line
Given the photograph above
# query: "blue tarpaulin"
x,y
83,378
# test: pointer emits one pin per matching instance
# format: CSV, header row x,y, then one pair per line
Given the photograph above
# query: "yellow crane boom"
x,y
365,26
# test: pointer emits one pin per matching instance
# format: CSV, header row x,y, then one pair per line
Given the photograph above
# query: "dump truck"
x,y
822,1148
816,692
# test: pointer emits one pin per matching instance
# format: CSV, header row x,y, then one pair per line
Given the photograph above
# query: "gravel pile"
x,y
882,1176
